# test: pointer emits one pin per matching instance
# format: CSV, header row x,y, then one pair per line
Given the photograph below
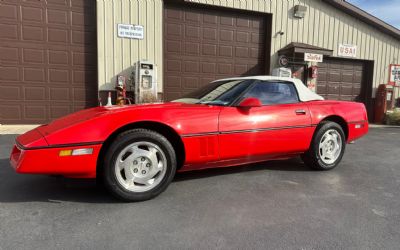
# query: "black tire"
x,y
122,141
312,157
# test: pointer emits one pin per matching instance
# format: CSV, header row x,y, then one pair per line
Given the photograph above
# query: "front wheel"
x,y
327,147
139,165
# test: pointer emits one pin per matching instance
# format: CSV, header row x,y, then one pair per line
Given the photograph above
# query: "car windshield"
x,y
220,93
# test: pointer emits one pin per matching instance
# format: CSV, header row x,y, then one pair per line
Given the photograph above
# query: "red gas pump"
x,y
313,72
121,91
384,101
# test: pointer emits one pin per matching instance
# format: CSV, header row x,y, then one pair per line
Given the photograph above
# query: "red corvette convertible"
x,y
136,149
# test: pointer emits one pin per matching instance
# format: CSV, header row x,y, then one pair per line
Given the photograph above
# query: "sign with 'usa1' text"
x,y
347,50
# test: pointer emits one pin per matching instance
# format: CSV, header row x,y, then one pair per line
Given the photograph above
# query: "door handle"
x,y
300,112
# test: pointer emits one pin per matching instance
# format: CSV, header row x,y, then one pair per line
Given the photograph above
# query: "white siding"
x,y
117,55
323,26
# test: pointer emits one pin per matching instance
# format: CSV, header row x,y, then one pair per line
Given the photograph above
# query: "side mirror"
x,y
250,102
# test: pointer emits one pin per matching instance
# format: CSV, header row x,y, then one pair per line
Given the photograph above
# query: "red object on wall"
x,y
313,72
384,97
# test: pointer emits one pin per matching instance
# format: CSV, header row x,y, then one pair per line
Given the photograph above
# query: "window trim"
x,y
237,101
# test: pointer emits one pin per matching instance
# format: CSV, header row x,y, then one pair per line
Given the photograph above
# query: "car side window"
x,y
270,93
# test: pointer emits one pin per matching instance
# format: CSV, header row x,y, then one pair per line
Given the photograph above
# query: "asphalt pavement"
x,y
272,205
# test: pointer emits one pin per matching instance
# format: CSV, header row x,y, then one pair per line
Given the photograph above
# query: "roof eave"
x,y
365,17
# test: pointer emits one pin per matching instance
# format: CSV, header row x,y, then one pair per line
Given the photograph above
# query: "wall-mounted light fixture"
x,y
300,11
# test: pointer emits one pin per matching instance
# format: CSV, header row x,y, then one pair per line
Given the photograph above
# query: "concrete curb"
x,y
382,126
16,129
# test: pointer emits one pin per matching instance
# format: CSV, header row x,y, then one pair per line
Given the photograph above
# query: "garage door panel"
x,y
192,17
57,17
9,74
82,37
32,14
61,3
226,35
334,89
333,97
52,45
33,56
321,88
192,32
210,34
190,82
242,37
35,112
33,33
344,79
334,76
9,32
35,93
209,44
191,66
358,77
8,12
347,76
225,69
57,36
10,92
257,38
346,89
210,19
208,68
174,30
209,49
191,48
226,51
11,111
9,55
322,77
58,76
240,69
242,52
227,21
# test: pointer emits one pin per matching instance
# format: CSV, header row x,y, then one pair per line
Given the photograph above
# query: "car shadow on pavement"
x,y
41,188
293,164
37,188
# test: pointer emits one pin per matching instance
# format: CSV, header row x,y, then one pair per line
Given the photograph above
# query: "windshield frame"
x,y
218,83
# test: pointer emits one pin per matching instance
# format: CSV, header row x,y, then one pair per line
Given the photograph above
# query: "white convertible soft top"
x,y
305,94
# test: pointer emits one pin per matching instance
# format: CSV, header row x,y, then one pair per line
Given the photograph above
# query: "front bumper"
x,y
47,160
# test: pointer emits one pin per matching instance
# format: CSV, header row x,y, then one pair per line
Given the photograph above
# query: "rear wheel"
x,y
327,147
139,165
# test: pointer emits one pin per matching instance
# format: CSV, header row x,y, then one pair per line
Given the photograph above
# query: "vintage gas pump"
x,y
384,101
145,81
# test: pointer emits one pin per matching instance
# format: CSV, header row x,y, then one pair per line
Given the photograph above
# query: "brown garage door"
x,y
48,59
201,45
340,79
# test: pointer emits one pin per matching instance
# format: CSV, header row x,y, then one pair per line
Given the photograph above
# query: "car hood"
x,y
93,113
78,127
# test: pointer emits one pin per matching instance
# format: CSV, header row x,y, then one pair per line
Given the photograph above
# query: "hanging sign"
x,y
283,61
310,57
131,31
347,50
394,74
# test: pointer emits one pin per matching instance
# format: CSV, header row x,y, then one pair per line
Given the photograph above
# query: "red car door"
x,y
282,126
